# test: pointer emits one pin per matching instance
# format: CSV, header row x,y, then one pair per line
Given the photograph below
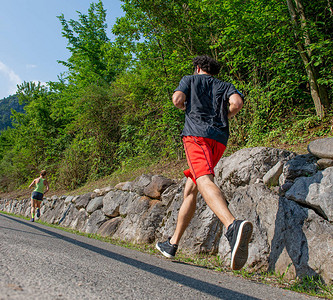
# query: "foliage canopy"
x,y
113,103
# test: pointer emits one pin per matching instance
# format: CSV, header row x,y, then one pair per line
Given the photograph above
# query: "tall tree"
x,y
302,29
94,58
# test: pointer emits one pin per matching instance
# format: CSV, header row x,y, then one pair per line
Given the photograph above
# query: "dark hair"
x,y
207,64
43,173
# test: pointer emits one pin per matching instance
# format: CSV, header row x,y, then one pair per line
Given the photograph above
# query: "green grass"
x,y
294,134
308,285
312,286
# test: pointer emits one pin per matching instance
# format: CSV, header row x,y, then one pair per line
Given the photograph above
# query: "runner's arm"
x,y
178,99
32,183
235,105
46,185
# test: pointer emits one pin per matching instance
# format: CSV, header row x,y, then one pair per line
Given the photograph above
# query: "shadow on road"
x,y
202,286
23,231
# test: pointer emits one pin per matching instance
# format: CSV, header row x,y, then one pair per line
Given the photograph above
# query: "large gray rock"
x,y
68,215
124,186
96,219
82,201
116,203
7,205
109,227
173,192
247,166
259,205
296,243
140,183
285,237
53,210
69,199
157,186
324,163
2,204
17,207
101,192
11,207
320,195
322,148
94,204
27,212
72,213
80,220
301,165
23,207
271,178
318,234
136,186
144,216
316,192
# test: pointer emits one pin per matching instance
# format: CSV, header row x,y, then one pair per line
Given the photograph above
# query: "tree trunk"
x,y
330,7
318,92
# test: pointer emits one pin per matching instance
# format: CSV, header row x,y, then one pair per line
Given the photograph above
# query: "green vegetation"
x,y
6,106
111,110
307,285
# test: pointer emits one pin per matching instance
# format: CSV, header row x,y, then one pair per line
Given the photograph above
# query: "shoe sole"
x,y
240,251
38,214
163,252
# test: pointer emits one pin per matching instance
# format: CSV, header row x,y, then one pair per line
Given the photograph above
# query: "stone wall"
x,y
288,198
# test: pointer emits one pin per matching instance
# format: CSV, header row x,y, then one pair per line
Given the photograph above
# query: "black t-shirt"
x,y
206,113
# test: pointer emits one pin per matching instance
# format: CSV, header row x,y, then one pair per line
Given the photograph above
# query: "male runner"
x,y
38,193
208,104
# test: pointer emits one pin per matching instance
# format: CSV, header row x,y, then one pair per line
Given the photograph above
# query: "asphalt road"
x,y
40,262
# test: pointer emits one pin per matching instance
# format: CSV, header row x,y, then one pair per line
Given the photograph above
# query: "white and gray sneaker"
x,y
239,234
167,249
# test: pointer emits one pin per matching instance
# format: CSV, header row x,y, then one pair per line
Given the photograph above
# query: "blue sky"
x,y
31,41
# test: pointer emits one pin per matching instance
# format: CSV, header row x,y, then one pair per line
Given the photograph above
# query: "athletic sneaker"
x,y
32,220
239,234
167,249
38,213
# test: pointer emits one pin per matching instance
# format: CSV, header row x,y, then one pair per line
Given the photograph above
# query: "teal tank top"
x,y
40,186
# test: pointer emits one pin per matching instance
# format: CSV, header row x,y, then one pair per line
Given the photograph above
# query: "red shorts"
x,y
202,156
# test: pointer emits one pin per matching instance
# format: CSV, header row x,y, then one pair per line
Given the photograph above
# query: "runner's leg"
x,y
38,203
32,208
214,199
186,210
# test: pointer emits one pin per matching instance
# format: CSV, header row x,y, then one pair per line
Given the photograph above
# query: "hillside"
x,y
6,105
172,168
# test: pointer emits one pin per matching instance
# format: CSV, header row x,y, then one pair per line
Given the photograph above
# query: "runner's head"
x,y
43,173
207,64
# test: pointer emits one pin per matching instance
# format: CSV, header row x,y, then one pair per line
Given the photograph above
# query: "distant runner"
x,y
38,193
208,104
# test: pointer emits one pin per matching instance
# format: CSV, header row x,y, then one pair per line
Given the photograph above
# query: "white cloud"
x,y
12,77
30,66
9,80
